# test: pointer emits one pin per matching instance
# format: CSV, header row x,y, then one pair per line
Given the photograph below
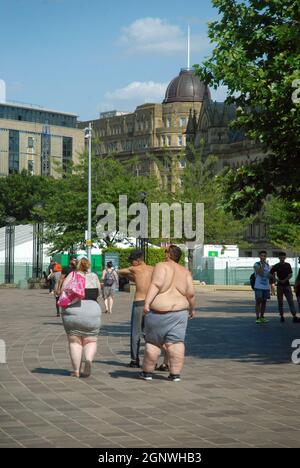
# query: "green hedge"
x,y
154,256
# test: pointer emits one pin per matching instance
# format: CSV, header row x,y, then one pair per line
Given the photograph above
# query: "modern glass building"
x,y
39,140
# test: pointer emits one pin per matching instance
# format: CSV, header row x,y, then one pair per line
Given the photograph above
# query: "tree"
x,y
282,220
20,192
202,183
65,213
257,55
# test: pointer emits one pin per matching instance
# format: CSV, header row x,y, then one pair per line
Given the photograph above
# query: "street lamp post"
x,y
9,249
141,242
37,258
88,135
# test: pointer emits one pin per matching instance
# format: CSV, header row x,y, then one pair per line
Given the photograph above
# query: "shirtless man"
x,y
141,274
169,303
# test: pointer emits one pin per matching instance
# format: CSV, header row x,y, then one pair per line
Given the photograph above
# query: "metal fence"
x,y
22,271
229,275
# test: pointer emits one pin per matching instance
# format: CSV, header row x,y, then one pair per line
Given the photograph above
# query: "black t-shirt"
x,y
67,270
282,270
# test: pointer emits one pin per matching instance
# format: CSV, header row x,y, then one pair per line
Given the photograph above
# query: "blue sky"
x,y
95,55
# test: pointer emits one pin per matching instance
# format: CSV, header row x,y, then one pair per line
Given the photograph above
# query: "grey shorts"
x,y
164,328
108,291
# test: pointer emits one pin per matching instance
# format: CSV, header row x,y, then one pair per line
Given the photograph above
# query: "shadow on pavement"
x,y
41,370
241,339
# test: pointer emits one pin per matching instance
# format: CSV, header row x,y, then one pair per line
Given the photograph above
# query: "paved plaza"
x,y
239,387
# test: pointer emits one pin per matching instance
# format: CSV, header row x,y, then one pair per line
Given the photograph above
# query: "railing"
x,y
230,275
22,271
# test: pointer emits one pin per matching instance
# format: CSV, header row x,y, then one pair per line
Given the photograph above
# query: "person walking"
x,y
58,284
169,303
261,287
82,320
110,282
283,273
56,278
141,274
50,276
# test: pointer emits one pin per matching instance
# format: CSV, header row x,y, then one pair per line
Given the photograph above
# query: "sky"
x,y
93,56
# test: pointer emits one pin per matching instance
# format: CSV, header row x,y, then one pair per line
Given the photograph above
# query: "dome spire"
x,y
188,48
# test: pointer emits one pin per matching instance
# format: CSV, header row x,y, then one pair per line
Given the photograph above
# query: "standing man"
x,y
141,274
261,287
169,303
284,273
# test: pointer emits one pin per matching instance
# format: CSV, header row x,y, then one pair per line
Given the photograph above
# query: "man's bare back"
x,y
175,286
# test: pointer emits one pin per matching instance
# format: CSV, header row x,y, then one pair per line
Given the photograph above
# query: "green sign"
x,y
212,253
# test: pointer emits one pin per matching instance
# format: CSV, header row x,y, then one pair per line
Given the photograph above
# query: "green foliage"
x,y
154,256
20,192
66,214
283,221
202,182
257,55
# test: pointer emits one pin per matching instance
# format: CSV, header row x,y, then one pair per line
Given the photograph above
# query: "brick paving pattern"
x,y
239,387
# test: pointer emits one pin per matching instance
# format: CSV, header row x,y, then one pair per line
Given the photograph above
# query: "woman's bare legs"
x,y
110,304
89,350
75,348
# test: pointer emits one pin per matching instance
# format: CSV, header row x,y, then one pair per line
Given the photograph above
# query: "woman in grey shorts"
x,y
110,282
82,321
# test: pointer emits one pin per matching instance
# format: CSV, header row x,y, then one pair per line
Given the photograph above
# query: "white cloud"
x,y
155,35
142,91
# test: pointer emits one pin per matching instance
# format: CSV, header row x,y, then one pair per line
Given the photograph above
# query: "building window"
x,y
168,122
14,151
30,166
182,122
67,153
168,140
30,142
45,153
180,140
182,163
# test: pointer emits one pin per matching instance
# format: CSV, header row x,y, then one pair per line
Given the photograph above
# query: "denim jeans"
x,y
137,329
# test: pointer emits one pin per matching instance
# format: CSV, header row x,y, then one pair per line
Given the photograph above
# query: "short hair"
x,y
84,265
109,264
282,254
262,252
174,252
136,255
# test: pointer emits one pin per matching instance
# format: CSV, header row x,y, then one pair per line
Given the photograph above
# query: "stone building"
x,y
37,139
152,130
210,130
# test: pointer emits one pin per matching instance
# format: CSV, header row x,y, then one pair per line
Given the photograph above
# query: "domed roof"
x,y
186,87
